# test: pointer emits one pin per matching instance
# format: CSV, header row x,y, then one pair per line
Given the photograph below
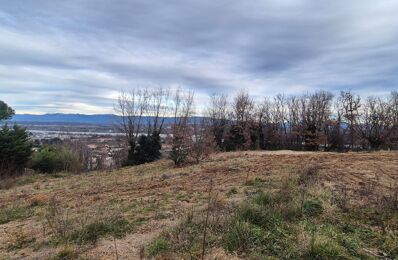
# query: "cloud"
x,y
76,55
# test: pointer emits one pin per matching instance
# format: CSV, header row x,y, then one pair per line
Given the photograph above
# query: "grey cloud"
x,y
83,50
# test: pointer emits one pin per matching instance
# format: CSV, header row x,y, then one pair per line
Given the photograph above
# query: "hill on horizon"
x,y
98,119
60,118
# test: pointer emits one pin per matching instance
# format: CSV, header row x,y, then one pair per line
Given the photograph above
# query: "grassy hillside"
x,y
251,205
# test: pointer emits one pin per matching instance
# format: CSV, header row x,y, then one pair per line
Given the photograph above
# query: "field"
x,y
132,213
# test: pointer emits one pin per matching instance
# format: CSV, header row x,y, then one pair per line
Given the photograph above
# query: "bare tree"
x,y
181,129
294,121
280,117
393,142
131,108
218,115
203,143
350,113
158,110
242,117
335,130
137,109
242,108
377,122
316,110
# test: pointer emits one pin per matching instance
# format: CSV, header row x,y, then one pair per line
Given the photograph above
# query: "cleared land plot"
x,y
42,216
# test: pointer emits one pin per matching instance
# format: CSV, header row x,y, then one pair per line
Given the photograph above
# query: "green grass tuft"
x,y
242,236
15,213
91,232
312,207
158,246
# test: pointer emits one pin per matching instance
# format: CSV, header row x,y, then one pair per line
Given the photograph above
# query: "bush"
x,y
51,159
15,150
147,150
236,138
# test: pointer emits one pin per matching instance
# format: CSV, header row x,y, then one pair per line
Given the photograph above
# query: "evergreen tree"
x,y
6,112
15,145
146,150
15,150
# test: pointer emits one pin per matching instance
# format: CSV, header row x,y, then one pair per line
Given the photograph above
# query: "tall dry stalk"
x,y
207,218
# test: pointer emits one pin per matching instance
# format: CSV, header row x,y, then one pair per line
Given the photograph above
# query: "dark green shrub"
x,y
146,150
51,159
15,150
235,138
6,112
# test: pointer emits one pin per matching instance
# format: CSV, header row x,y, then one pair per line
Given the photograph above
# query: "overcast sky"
x,y
73,56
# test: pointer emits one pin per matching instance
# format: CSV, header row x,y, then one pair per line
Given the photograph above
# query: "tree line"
x,y
312,122
160,121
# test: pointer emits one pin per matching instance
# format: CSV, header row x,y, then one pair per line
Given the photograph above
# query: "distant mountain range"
x,y
103,119
75,119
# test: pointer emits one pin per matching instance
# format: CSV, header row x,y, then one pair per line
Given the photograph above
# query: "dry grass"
x,y
155,196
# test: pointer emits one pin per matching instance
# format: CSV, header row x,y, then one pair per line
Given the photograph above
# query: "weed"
x,y
38,200
19,240
158,246
323,248
90,229
256,182
264,199
7,183
312,207
390,201
232,190
308,175
91,232
259,216
183,197
13,213
57,219
10,182
340,197
242,236
67,253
